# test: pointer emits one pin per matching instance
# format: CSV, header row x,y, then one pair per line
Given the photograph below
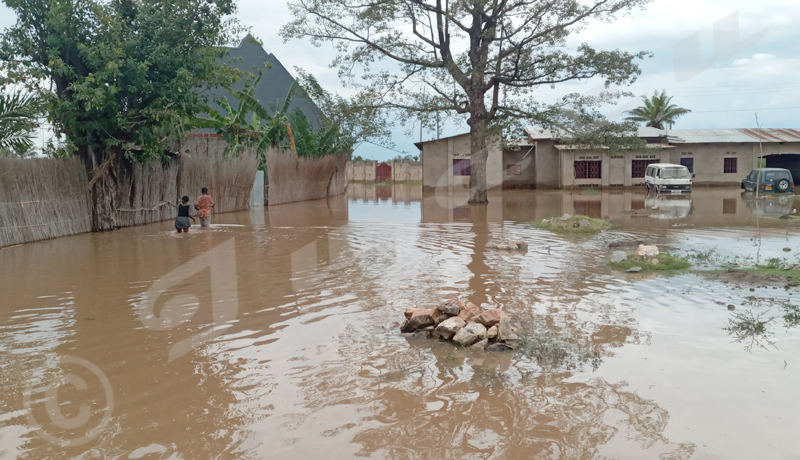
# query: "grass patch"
x,y
666,262
572,225
589,191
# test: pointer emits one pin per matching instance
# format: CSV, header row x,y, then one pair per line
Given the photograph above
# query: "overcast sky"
x,y
734,77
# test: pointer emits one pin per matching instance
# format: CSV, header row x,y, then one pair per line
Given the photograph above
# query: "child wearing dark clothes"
x,y
182,222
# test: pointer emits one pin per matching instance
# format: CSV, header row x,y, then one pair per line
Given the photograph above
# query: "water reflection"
x,y
306,366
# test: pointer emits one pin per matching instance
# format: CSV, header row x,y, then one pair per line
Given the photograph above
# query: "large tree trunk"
x,y
103,167
477,164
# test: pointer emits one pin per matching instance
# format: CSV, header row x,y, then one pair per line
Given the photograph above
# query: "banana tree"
x,y
261,131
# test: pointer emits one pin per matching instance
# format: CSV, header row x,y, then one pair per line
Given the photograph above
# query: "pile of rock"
x,y
509,245
464,323
643,252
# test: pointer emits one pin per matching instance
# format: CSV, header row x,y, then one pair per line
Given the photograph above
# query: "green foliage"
x,y
666,262
18,118
791,315
358,119
249,124
572,225
124,73
478,61
657,111
405,158
327,141
750,329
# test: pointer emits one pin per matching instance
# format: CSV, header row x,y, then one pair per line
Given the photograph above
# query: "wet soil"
x,y
745,278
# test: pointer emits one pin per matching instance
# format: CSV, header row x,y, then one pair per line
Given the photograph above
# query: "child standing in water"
x,y
182,223
203,206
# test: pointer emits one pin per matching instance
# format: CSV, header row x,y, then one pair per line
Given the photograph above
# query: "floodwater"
x,y
262,337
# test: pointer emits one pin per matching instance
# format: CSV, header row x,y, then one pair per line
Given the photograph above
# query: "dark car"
x,y
769,180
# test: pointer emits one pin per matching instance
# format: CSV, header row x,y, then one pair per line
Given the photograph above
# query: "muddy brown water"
x,y
290,360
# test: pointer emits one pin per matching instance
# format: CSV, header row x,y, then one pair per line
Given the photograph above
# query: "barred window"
x,y
587,169
638,167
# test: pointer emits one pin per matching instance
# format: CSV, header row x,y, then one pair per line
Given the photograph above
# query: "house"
x,y
276,81
715,156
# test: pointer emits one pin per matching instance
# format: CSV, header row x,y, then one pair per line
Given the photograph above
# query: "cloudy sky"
x,y
750,65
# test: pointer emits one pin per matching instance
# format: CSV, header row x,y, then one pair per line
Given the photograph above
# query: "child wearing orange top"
x,y
203,206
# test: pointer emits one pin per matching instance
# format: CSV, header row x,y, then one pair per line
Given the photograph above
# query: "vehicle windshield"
x,y
675,173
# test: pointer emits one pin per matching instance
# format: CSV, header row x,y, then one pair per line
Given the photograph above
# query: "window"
x,y
514,170
638,167
461,167
730,166
689,163
729,205
587,169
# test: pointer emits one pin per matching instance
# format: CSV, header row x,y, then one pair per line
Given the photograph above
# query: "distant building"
x,y
715,156
275,84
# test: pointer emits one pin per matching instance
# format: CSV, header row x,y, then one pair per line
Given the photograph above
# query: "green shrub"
x,y
572,225
665,262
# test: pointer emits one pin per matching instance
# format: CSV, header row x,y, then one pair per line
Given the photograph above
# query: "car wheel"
x,y
783,185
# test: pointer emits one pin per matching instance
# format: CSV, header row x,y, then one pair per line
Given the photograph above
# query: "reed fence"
x,y
292,179
42,198
45,198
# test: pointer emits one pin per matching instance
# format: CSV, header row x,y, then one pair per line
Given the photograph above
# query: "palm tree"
x,y
18,116
657,111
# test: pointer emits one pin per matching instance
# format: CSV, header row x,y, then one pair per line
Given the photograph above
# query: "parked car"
x,y
769,180
668,178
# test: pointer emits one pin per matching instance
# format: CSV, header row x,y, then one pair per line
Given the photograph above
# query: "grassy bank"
x,y
666,262
572,225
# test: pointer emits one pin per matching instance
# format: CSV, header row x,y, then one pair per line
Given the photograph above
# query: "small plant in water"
x,y
750,329
791,315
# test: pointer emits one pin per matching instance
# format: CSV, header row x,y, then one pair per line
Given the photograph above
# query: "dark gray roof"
x,y
276,82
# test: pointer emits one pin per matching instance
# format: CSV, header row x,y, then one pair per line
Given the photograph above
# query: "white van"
x,y
668,178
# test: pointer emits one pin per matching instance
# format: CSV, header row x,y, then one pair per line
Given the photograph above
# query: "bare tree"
x,y
478,59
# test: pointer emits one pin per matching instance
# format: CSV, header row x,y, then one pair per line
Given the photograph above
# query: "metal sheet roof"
x,y
774,135
541,133
708,136
700,136
590,147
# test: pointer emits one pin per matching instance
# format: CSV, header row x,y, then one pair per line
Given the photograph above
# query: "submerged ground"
x,y
262,337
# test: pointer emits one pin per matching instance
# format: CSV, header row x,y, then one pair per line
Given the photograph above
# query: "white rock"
x,y
450,326
618,256
645,250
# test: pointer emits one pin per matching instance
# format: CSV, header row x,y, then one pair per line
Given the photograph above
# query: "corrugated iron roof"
x,y
700,136
590,147
541,133
708,136
773,135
